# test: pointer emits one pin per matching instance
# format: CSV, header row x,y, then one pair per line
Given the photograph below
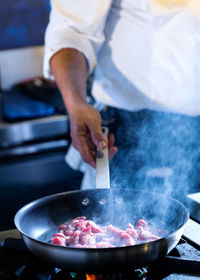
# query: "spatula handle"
x,y
102,165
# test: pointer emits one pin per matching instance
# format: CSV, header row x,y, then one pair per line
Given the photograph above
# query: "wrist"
x,y
74,104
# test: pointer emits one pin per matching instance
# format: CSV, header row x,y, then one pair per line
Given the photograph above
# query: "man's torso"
x,y
151,56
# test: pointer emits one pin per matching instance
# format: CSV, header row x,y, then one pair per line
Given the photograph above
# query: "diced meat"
x,y
127,240
130,226
113,230
142,223
77,220
69,232
59,234
104,245
63,227
87,237
85,246
132,232
83,233
100,236
144,234
94,227
58,241
80,225
75,237
111,240
154,237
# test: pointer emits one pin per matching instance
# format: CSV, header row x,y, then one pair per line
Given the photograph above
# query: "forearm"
x,y
70,70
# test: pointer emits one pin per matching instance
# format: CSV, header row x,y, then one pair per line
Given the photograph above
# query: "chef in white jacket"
x,y
145,58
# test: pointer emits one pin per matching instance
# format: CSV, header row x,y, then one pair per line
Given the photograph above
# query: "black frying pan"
x,y
38,220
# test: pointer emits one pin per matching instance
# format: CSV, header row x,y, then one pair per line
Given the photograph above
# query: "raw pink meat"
x,y
83,233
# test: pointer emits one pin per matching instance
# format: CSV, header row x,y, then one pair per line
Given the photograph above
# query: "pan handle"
x,y
102,165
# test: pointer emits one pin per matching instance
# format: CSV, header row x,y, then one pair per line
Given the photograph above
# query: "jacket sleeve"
x,y
77,24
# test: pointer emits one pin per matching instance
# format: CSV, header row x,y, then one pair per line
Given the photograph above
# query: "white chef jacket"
x,y
145,53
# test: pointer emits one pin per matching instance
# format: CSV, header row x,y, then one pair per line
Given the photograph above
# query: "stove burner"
x,y
16,262
137,274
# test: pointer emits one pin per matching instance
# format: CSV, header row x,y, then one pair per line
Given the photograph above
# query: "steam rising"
x,y
164,215
165,153
160,156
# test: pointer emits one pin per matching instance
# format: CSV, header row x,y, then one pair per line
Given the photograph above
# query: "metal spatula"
x,y
102,165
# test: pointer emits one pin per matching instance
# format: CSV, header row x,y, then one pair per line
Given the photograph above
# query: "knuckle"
x,y
97,136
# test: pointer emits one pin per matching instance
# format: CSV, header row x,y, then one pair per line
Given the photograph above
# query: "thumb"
x,y
98,137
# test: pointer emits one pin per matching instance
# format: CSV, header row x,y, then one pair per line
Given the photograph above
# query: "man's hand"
x,y
86,133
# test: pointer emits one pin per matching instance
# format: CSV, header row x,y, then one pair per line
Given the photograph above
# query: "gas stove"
x,y
16,261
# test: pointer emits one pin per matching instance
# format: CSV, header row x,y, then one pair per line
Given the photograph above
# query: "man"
x,y
145,58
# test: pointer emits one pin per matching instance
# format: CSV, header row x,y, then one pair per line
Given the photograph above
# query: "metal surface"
x,y
194,201
192,232
34,148
38,220
40,128
102,166
1,101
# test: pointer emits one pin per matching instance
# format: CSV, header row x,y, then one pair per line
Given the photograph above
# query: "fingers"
x,y
84,144
96,133
87,152
86,148
87,135
98,137
100,141
111,148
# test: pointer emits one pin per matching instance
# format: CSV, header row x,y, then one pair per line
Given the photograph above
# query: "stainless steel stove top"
x,y
192,228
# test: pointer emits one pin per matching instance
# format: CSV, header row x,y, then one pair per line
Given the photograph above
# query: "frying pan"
x,y
40,219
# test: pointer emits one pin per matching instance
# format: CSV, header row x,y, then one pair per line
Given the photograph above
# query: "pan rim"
x,y
93,190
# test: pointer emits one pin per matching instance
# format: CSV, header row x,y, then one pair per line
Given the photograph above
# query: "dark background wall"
x,y
23,22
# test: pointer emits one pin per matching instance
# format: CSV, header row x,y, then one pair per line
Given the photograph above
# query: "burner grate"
x,y
137,274
16,262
